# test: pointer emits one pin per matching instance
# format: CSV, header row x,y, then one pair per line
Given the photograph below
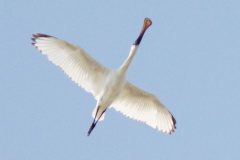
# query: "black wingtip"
x,y
38,35
174,125
174,122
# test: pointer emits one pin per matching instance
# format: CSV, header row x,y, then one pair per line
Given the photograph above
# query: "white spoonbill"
x,y
109,87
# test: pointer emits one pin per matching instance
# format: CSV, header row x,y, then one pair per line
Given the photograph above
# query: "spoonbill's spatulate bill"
x,y
109,87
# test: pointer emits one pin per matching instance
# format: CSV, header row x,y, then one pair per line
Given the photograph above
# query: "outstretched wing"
x,y
145,107
74,61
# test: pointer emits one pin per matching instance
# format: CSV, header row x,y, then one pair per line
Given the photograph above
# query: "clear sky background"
x,y
189,58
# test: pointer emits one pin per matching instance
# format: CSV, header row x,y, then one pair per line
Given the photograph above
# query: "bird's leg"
x,y
91,128
96,113
95,121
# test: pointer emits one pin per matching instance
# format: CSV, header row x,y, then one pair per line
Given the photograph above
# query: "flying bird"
x,y
109,87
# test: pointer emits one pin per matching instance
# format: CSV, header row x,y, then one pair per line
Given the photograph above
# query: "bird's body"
x,y
109,87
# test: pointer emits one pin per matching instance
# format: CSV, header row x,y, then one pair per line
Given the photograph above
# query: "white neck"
x,y
126,64
124,67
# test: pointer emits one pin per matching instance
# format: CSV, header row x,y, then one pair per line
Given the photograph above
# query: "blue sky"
x,y
189,58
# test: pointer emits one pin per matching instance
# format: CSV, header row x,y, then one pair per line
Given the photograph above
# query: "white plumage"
x,y
109,87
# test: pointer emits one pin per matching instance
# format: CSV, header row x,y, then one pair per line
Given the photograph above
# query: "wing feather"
x,y
145,107
74,61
